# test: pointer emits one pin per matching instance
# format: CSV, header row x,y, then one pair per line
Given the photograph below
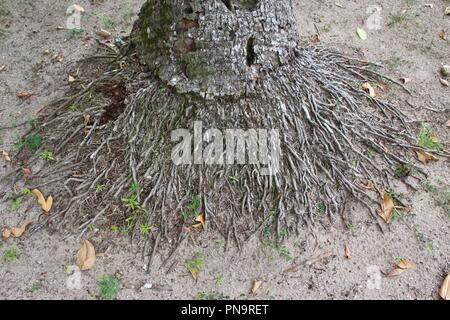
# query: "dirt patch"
x,y
38,56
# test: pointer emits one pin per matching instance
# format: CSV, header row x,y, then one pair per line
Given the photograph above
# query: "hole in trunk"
x,y
251,55
188,10
116,92
228,4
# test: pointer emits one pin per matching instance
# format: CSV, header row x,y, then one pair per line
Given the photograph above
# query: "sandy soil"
x,y
409,46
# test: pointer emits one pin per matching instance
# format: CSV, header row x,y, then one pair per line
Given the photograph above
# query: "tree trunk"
x,y
215,48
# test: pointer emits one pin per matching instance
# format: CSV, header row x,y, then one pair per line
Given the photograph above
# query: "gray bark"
x,y
215,47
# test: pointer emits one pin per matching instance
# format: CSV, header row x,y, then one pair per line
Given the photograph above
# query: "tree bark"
x,y
215,48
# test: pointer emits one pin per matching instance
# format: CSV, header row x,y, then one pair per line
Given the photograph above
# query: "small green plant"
x,y
109,286
402,171
233,179
145,228
74,107
371,153
219,279
134,187
351,227
32,142
106,21
26,191
74,34
15,204
399,19
395,62
211,296
47,155
440,195
220,243
131,202
427,140
67,270
114,228
11,254
35,287
196,263
193,209
321,208
91,227
284,252
99,188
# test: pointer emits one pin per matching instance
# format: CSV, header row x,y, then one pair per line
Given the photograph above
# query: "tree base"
x,y
115,159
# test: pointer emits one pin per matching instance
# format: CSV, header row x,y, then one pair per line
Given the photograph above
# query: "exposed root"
x,y
326,123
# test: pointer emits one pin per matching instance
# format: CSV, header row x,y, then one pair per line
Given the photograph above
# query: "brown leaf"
x,y
6,233
6,156
27,173
103,33
444,292
194,274
387,208
291,269
347,252
366,86
46,205
71,79
406,264
24,95
256,285
201,219
2,67
443,35
395,272
424,157
86,256
444,82
18,232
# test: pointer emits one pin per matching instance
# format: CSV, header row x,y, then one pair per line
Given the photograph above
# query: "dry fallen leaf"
x,y
447,11
201,219
86,256
448,123
78,8
387,208
27,173
71,79
18,232
395,272
6,233
424,157
24,95
6,156
2,67
103,33
443,35
444,292
406,264
256,285
366,86
46,205
347,252
444,82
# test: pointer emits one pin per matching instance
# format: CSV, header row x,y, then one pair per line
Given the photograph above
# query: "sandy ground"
x,y
410,47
